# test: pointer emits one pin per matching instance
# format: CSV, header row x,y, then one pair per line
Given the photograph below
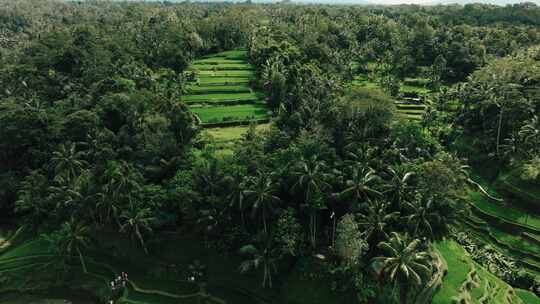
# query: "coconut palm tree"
x,y
262,254
135,220
67,161
360,186
530,135
261,193
311,177
122,182
403,263
398,186
236,195
70,239
424,217
375,220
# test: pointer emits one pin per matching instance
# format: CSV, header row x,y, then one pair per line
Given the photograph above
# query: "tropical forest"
x,y
167,152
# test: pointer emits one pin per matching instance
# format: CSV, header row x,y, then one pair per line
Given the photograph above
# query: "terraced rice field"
x,y
511,231
219,91
244,112
410,107
468,282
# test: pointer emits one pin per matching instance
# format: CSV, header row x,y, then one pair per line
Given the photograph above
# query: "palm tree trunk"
x,y
269,278
334,230
264,220
83,264
140,237
265,275
243,219
499,127
403,291
313,228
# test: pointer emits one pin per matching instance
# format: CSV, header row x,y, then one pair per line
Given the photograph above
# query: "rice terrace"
x,y
269,153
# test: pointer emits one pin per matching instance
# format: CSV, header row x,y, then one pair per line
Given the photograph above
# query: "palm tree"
x,y
423,217
136,220
76,237
360,185
236,195
530,135
261,195
32,200
121,181
311,176
67,162
403,264
71,238
375,220
398,186
263,254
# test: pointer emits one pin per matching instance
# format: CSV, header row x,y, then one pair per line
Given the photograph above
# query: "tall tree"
x,y
135,221
261,193
403,264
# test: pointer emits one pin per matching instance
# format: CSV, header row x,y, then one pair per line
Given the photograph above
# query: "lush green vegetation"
x,y
249,153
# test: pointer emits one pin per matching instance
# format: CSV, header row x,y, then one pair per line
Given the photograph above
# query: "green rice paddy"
x,y
405,109
231,113
219,91
466,281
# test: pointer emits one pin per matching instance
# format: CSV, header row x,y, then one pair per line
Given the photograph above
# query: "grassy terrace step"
x,y
234,54
528,193
526,259
239,73
211,80
516,243
194,89
417,117
527,296
411,112
508,214
230,134
221,66
460,265
401,106
222,97
236,112
219,60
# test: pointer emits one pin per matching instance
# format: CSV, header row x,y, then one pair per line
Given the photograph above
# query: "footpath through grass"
x,y
157,278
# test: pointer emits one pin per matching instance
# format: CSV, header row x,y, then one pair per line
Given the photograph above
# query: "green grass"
x,y
401,106
218,60
221,66
411,112
236,112
459,265
231,133
527,296
194,89
413,89
239,73
504,212
211,80
222,97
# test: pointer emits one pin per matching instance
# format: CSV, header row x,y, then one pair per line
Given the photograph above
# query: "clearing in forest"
x,y
219,91
411,102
